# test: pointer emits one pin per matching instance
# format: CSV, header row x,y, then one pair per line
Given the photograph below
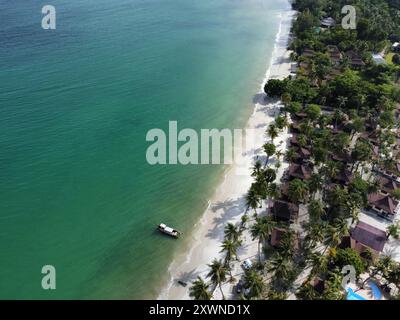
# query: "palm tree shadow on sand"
x,y
230,209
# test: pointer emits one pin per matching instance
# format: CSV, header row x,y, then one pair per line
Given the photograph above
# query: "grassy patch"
x,y
389,57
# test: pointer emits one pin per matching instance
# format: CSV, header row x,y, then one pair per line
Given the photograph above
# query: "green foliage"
x,y
313,111
349,256
298,190
275,88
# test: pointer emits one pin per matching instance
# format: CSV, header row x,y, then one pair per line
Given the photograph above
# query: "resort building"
x,y
383,204
300,171
388,185
308,53
396,47
344,177
285,211
366,237
335,54
354,60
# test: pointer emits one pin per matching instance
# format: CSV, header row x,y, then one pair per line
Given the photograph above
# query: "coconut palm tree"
x,y
257,169
269,149
243,220
278,155
298,190
269,175
316,210
280,266
331,170
306,292
361,152
232,232
272,132
393,231
261,230
286,244
316,234
290,155
319,263
200,290
217,274
335,233
254,282
252,200
315,184
230,248
272,190
281,122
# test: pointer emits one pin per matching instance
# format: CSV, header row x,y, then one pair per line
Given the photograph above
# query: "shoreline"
x,y
228,201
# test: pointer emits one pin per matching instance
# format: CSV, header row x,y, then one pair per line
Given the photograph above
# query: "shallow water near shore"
x,y
75,106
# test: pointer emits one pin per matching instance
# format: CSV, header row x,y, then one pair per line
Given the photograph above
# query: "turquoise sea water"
x,y
75,106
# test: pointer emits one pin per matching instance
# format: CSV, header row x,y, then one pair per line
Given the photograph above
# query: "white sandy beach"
x,y
228,202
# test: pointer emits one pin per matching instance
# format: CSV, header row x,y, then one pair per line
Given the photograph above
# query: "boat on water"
x,y
169,231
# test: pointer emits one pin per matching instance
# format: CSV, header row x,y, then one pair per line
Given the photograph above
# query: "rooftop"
x,y
284,210
383,202
299,171
369,236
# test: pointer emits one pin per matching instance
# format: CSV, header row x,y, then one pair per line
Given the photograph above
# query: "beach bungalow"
x,y
328,22
388,185
354,59
344,177
335,54
383,204
285,211
366,237
308,53
299,171
302,154
344,156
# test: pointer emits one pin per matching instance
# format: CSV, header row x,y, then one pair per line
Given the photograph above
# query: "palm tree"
x,y
286,245
290,155
393,231
232,232
298,190
261,230
257,169
331,170
269,149
272,191
335,233
200,290
269,175
272,132
278,154
315,184
316,234
252,200
254,282
230,248
280,266
306,292
316,210
319,263
217,274
281,122
243,220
